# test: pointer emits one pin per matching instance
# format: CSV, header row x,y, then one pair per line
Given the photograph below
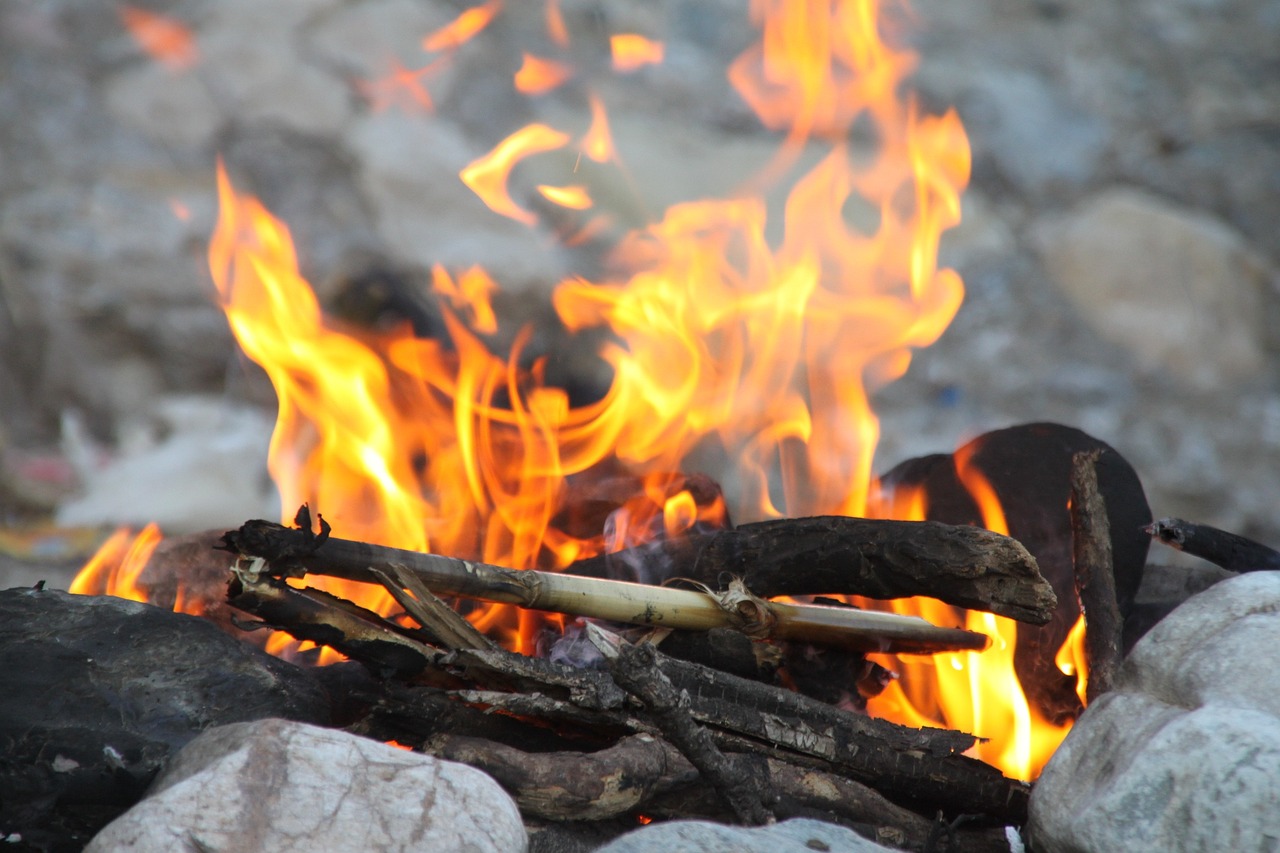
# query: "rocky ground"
x,y
1118,245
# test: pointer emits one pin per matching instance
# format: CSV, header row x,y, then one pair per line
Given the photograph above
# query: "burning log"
x,y
910,766
961,565
1230,551
298,551
1095,576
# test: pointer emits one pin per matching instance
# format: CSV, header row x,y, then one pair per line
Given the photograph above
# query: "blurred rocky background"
x,y
1119,244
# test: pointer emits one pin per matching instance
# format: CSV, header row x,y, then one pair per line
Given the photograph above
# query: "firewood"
x,y
645,773
635,669
961,565
297,551
1095,577
326,619
573,785
1230,551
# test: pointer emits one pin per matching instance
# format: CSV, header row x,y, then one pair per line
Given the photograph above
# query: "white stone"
x,y
1184,754
201,463
1180,289
282,786
799,835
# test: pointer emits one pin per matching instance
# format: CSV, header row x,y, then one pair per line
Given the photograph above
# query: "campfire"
x,y
693,559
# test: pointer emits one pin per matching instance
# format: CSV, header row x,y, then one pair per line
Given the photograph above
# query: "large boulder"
x,y
1184,753
284,786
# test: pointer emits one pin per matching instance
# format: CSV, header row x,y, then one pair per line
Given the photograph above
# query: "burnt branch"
x,y
635,669
961,565
1231,551
1095,576
616,601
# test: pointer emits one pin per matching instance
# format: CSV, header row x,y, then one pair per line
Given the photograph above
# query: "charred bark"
x,y
1095,576
961,565
1230,551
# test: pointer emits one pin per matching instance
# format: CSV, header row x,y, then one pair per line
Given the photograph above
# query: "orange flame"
x,y
573,197
632,52
537,76
556,29
488,176
727,338
165,40
974,692
115,568
597,142
463,28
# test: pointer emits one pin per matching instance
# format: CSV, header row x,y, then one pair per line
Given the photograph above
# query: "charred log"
x,y
965,566
1029,468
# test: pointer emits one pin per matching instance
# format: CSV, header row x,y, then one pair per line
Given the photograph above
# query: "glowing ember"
x,y
723,339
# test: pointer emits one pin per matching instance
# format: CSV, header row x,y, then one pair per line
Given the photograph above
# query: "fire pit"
x,y
691,421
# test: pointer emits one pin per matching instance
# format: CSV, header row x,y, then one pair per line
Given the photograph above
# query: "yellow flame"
x,y
632,52
537,75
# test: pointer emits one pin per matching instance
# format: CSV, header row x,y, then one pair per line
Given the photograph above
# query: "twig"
x,y
325,619
449,628
635,669
1231,551
1095,576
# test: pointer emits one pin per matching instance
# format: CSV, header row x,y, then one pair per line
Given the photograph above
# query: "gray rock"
x,y
800,835
1185,753
1164,281
283,786
96,692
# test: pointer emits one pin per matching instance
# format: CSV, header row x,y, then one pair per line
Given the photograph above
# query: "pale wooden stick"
x,y
297,552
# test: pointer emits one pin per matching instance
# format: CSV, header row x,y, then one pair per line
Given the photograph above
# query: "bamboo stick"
x,y
289,551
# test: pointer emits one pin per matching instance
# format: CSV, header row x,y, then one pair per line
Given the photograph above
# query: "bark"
x,y
961,565
1229,550
1095,577
635,669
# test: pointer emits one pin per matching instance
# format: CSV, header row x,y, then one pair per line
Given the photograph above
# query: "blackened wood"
x,y
1029,468
1230,551
328,620
635,668
726,650
574,785
294,552
1095,576
908,765
645,773
586,688
961,565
